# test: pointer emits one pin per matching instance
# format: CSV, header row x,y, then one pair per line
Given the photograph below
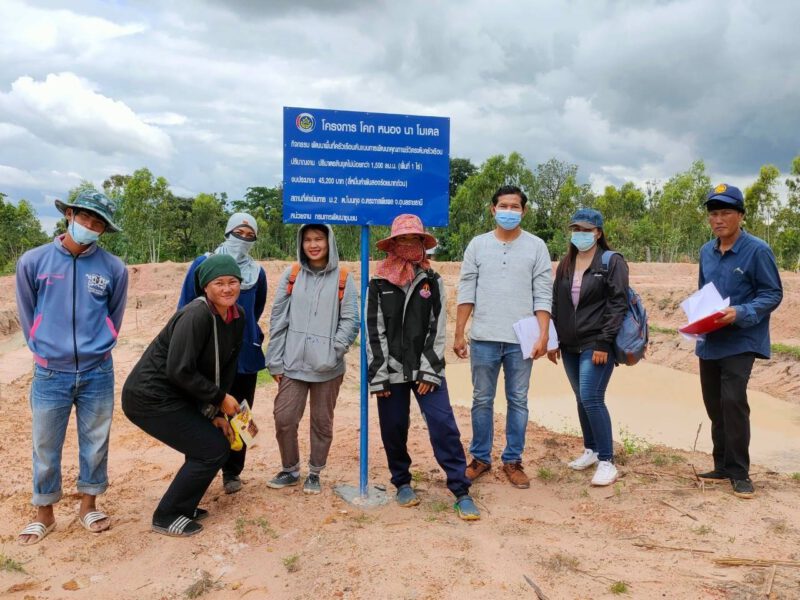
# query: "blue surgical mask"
x,y
507,219
583,240
82,235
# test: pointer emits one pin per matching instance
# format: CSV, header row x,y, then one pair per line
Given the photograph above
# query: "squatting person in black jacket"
x,y
405,350
178,390
589,305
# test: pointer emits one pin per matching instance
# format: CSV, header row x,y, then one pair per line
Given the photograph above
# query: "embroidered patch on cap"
x,y
720,188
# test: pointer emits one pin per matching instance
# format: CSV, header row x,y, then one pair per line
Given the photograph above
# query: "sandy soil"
x,y
655,530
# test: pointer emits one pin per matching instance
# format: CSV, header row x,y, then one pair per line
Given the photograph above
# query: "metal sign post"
x,y
356,168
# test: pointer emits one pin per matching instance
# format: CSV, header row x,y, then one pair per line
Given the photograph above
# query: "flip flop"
x,y
181,527
91,518
37,529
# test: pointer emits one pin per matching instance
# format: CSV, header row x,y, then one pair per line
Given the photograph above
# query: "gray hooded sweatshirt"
x,y
310,330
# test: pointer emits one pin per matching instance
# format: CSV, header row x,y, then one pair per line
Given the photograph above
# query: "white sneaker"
x,y
606,473
584,461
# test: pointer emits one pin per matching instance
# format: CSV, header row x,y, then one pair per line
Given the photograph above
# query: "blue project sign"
x,y
358,168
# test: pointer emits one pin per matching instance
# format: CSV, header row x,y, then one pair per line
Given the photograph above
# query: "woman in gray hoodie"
x,y
313,323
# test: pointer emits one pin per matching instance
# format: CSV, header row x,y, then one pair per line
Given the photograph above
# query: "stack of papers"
x,y
702,309
527,331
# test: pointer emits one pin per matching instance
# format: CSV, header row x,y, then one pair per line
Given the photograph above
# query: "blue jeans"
x,y
486,358
589,382
52,395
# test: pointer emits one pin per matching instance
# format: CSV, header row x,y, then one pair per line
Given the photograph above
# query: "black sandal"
x,y
182,526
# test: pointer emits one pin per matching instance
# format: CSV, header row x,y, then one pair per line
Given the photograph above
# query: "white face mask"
x,y
238,248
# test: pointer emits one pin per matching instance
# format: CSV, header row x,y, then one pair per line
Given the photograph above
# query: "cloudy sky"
x,y
194,89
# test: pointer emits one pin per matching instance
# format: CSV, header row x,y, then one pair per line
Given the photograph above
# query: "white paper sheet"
x,y
527,331
705,301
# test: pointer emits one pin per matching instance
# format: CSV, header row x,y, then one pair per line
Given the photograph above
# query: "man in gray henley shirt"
x,y
506,276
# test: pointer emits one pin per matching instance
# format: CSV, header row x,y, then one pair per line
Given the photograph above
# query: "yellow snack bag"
x,y
236,443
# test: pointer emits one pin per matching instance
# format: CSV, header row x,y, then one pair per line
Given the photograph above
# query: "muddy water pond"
x,y
652,404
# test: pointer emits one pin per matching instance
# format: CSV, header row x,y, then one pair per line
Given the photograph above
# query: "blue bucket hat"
x,y
725,196
96,202
587,217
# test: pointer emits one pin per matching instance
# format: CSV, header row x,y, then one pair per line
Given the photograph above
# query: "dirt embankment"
x,y
654,534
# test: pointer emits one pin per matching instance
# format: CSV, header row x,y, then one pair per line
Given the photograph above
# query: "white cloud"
x,y
65,109
25,28
11,176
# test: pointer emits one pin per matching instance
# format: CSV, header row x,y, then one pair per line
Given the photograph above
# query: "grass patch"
x,y
786,350
702,530
657,329
439,506
664,460
201,586
292,563
631,443
561,561
419,476
796,477
263,377
779,527
242,525
619,587
545,474
9,564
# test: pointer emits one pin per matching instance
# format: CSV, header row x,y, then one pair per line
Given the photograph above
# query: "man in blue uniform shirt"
x,y
743,267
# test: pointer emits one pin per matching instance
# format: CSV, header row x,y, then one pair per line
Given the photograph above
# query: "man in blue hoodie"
x,y
71,297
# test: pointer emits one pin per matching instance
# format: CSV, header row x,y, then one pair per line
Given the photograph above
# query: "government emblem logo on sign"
x,y
305,122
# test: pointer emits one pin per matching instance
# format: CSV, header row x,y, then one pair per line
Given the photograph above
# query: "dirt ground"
x,y
654,534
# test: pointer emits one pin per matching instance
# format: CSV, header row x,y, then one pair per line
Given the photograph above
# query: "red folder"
x,y
704,325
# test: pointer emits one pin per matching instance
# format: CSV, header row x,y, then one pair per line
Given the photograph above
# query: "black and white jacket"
x,y
406,331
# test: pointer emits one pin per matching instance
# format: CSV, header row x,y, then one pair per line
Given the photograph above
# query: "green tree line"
x,y
655,223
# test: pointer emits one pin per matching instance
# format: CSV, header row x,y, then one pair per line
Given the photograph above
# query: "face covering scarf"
x,y
239,250
82,235
398,266
507,219
583,240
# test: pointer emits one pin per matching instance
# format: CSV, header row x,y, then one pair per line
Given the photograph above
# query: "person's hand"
x,y
383,394
460,346
278,378
554,355
222,423
540,347
599,358
728,318
423,387
229,405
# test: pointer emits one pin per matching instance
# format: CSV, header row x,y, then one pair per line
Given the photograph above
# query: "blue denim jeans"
x,y
486,358
52,395
589,382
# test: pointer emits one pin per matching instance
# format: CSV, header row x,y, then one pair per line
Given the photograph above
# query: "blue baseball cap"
x,y
587,217
725,196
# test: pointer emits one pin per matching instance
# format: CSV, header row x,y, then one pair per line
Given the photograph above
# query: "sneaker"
x,y
714,476
477,468
516,475
743,488
311,484
282,480
585,460
406,496
466,509
606,473
232,484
